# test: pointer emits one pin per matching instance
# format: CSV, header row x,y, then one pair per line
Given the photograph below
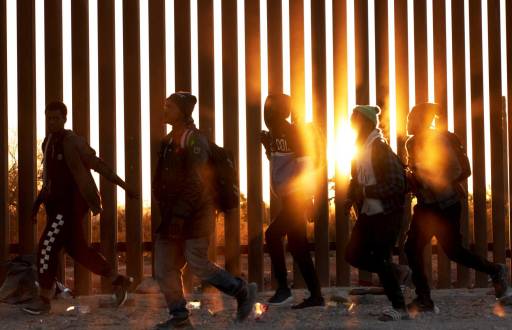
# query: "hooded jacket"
x,y
67,163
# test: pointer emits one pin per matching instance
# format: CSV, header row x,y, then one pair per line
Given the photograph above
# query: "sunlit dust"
x,y
259,310
499,311
436,159
194,304
413,313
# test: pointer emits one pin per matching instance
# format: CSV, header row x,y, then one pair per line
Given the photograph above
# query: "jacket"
x,y
181,183
390,183
68,160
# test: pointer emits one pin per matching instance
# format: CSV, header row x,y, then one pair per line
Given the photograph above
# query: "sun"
x,y
344,148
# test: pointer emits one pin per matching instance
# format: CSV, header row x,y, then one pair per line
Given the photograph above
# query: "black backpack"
x,y
461,155
223,175
225,185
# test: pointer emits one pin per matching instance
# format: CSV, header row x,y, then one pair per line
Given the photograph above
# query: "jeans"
x,y
370,248
171,255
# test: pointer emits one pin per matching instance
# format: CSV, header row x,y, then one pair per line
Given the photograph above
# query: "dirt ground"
x,y
459,309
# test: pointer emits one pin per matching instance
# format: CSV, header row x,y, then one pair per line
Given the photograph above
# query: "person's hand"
x,y
35,211
356,192
265,139
41,197
347,205
96,211
310,210
132,193
412,182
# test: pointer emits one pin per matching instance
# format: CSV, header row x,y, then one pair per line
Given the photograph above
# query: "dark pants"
x,y
291,222
429,221
370,248
171,256
65,230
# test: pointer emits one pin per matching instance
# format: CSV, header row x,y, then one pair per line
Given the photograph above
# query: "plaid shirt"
x,y
390,176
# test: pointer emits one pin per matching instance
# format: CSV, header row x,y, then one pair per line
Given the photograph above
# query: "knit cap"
x,y
185,102
370,112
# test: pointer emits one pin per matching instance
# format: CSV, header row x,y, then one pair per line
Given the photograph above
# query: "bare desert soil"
x,y
459,309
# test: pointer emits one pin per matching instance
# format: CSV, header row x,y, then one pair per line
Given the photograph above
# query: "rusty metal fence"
x,y
452,85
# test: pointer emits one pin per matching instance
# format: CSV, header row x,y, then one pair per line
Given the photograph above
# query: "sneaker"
x,y
394,314
174,323
499,281
506,300
281,297
421,305
38,306
246,301
121,285
310,302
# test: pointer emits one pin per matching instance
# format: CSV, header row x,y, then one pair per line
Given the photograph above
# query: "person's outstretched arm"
x,y
88,156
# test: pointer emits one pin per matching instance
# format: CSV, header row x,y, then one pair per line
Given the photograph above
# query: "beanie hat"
x,y
185,102
277,107
370,112
423,113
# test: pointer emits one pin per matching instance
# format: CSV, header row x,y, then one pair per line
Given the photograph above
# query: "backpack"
x,y
460,154
225,178
223,171
20,284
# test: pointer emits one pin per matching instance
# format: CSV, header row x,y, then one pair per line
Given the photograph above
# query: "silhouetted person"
x,y
377,192
68,193
438,165
290,161
182,188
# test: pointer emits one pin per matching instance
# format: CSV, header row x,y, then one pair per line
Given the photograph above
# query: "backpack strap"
x,y
185,137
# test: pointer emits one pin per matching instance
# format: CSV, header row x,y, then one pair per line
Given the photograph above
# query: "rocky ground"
x,y
459,309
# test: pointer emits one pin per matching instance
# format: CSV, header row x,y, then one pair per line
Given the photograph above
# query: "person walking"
x,y
68,194
183,188
377,192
